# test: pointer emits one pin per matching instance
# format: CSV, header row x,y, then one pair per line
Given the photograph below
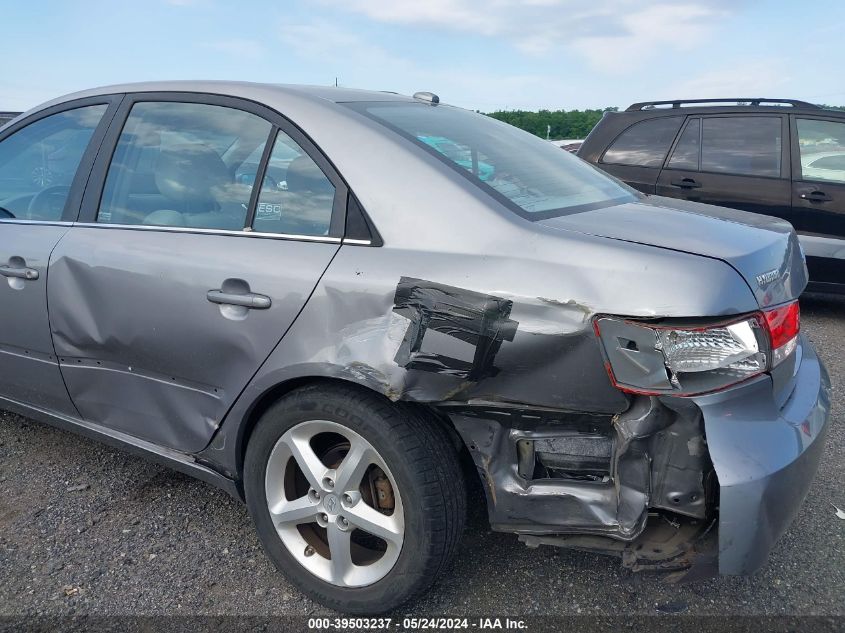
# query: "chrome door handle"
x,y
29,274
250,300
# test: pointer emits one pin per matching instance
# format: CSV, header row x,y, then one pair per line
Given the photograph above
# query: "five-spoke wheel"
x,y
334,503
359,501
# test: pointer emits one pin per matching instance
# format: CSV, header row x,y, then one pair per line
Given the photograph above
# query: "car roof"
x,y
244,89
733,105
692,110
373,160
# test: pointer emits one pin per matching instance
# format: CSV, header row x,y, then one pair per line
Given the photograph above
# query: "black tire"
x,y
424,463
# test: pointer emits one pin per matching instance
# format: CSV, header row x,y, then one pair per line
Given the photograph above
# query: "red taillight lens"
x,y
783,323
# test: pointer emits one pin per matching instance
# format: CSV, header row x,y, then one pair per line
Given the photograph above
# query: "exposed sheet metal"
x,y
651,466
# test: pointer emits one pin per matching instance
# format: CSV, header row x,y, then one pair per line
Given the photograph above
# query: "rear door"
x,y
818,194
182,276
637,154
44,161
739,161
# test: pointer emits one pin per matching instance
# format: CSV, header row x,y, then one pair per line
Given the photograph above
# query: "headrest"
x,y
304,175
189,173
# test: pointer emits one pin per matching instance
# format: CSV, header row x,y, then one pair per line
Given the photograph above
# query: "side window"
x,y
686,154
822,148
38,163
177,164
296,197
644,144
741,145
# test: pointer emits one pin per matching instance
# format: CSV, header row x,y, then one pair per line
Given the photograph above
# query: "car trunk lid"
x,y
763,249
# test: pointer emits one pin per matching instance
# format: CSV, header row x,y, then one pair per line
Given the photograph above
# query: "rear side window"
x,y
177,165
822,147
687,151
644,144
39,162
742,145
296,197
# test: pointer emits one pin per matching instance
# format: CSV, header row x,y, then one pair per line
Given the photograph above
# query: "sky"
x,y
485,55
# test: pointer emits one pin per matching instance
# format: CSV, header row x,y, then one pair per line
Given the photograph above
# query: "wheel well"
x,y
267,399
273,395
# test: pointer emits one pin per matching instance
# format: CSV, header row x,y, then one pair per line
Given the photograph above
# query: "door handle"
x,y
816,196
249,300
30,274
686,183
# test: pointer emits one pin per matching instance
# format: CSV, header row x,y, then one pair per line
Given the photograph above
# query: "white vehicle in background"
x,y
824,166
571,145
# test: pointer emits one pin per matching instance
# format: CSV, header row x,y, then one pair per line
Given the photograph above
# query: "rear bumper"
x,y
763,437
765,458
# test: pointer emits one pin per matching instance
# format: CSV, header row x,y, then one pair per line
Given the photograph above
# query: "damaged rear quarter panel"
x,y
448,326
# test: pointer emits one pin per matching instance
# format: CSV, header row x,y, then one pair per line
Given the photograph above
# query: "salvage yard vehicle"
x,y
624,375
778,157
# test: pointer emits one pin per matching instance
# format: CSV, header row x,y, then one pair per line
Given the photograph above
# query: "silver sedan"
x,y
339,305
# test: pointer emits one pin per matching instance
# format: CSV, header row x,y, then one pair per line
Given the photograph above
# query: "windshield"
x,y
531,176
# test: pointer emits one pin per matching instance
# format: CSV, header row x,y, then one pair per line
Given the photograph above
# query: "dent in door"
x,y
143,350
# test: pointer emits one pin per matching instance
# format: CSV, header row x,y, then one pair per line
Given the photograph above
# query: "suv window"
x,y
688,150
175,165
741,145
296,197
644,144
822,148
528,175
38,163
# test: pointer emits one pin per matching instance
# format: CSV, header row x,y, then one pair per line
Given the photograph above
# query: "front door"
x,y
737,161
38,166
183,276
818,195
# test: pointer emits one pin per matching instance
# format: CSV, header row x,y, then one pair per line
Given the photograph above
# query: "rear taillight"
x,y
783,324
687,359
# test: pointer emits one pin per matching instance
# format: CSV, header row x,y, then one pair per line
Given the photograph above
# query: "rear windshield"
x,y
533,177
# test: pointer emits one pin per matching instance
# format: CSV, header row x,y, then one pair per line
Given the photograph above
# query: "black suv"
x,y
778,157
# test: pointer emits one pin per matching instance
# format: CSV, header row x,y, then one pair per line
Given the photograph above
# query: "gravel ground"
x,y
85,529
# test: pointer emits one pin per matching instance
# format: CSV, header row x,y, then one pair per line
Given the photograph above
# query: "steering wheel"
x,y
48,203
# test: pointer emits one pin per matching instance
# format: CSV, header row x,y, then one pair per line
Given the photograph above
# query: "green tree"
x,y
564,123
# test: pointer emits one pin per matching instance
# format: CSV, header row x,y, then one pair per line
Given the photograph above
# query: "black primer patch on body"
x,y
472,317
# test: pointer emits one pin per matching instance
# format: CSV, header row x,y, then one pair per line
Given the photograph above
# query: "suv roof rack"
x,y
676,103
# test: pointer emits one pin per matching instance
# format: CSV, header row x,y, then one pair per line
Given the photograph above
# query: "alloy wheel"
x,y
334,503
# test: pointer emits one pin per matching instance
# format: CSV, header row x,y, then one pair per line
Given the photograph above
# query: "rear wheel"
x,y
357,500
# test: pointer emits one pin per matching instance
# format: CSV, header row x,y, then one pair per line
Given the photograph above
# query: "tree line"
x,y
564,123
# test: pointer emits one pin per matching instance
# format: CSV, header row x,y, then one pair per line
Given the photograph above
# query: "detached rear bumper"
x,y
765,458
